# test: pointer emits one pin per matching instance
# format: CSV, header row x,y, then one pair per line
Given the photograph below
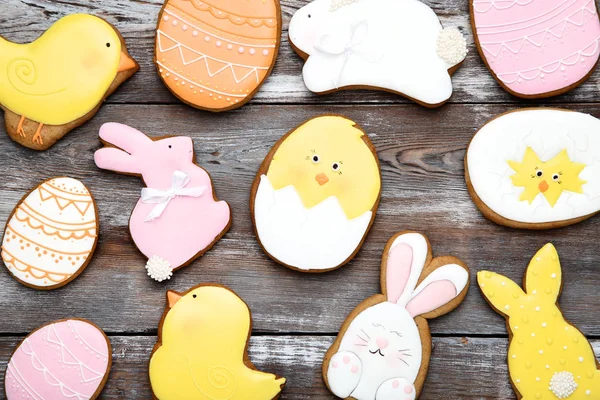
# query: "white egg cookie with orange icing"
x,y
51,235
201,351
316,194
536,168
548,358
215,55
383,348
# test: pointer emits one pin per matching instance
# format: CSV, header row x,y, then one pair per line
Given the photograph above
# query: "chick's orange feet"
x,y
37,138
20,129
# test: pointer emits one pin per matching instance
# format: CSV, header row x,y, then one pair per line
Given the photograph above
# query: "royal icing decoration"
x,y
214,56
65,360
51,235
537,47
62,76
548,358
177,218
537,166
380,353
394,45
201,349
316,194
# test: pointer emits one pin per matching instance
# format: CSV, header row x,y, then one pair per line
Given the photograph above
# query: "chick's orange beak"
x,y
321,179
173,298
543,186
125,63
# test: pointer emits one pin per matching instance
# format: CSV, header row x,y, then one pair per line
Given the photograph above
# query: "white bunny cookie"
x,y
382,351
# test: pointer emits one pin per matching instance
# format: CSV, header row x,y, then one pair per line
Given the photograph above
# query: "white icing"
x,y
318,238
376,368
395,49
452,272
563,384
159,269
51,234
420,248
547,132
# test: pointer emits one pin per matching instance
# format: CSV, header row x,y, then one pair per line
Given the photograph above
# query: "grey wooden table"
x,y
296,316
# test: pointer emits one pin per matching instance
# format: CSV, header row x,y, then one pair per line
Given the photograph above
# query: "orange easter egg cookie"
x,y
216,56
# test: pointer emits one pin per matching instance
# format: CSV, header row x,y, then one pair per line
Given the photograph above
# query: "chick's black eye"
x,y
194,296
539,173
315,158
107,44
335,166
555,177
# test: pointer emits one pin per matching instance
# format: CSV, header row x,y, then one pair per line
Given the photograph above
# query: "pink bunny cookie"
x,y
382,351
178,217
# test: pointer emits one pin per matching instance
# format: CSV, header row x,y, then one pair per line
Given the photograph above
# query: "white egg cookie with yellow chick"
x,y
316,194
201,352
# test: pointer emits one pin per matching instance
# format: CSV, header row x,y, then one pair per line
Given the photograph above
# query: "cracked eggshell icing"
x,y
51,235
68,359
537,48
502,144
215,55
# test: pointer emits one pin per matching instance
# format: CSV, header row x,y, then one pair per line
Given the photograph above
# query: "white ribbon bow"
x,y
162,197
354,44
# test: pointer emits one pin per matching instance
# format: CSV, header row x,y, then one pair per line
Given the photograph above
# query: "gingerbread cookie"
x,y
201,351
548,358
316,194
58,82
391,45
534,48
63,360
536,168
178,217
51,235
382,351
216,55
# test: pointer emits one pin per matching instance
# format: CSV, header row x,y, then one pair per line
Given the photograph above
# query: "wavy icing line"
x,y
205,58
46,195
74,234
45,217
492,4
17,376
101,353
233,18
30,268
530,19
545,69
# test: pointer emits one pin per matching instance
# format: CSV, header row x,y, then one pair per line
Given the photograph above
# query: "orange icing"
x,y
214,56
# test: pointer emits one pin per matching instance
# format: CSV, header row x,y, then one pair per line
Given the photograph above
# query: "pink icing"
x,y
538,46
64,360
399,264
435,295
188,225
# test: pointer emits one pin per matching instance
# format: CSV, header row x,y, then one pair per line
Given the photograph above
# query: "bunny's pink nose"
x,y
382,342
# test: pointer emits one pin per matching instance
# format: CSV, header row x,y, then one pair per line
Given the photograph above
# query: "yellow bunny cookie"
x,y
548,358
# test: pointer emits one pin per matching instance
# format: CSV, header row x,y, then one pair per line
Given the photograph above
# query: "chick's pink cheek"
x,y
90,59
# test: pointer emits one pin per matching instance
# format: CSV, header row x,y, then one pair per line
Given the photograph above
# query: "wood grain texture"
x,y
296,316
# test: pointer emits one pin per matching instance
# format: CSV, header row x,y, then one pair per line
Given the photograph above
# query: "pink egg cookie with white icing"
x,y
178,217
382,351
537,48
64,360
397,46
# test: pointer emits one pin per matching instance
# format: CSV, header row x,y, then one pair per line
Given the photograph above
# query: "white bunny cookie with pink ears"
x,y
178,217
382,351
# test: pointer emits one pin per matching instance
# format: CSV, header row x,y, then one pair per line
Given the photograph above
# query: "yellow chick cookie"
x,y
548,358
316,194
201,350
58,82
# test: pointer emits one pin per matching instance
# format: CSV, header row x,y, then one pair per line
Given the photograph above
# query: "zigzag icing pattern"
x,y
233,18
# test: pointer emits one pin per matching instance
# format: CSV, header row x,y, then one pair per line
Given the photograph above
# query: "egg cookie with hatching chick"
x,y
201,351
58,82
316,194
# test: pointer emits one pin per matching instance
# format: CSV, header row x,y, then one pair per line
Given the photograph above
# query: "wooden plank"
x,y
423,189
137,21
463,368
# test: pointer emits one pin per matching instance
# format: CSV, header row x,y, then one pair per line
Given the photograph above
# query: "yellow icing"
x,y
334,140
204,338
62,75
557,175
542,343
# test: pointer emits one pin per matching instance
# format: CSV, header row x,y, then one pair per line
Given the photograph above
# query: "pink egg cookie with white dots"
x,y
67,359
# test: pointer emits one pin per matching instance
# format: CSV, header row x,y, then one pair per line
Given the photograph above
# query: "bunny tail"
x,y
451,46
159,269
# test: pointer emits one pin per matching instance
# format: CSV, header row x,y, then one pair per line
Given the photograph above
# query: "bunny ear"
x,y
123,136
544,276
502,293
116,160
405,260
440,287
